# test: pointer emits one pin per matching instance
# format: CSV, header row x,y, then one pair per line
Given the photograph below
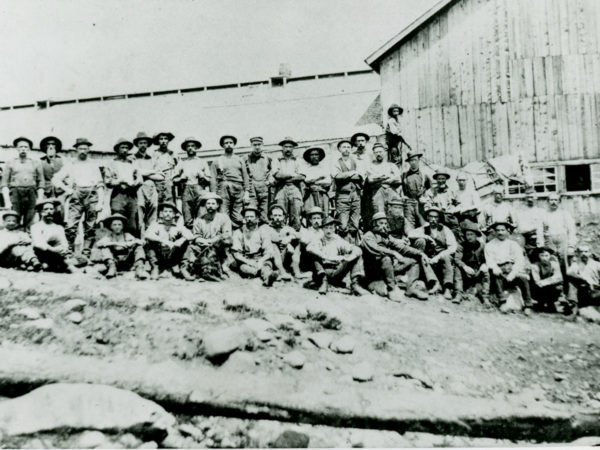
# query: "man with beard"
x,y
253,252
82,183
120,251
147,194
212,240
439,244
383,178
414,184
167,242
584,279
317,180
15,245
49,241
530,225
163,167
122,176
195,175
23,183
287,177
284,239
259,168
230,181
386,256
561,229
361,153
471,272
348,189
334,258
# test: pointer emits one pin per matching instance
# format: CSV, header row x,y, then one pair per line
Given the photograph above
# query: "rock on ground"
x,y
29,313
295,359
75,304
222,342
590,313
363,372
91,439
321,339
343,345
291,439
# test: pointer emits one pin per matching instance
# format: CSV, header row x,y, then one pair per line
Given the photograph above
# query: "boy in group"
x,y
15,245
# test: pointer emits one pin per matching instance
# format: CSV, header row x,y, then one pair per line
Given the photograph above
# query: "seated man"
x,y
253,252
284,239
501,249
334,258
471,271
49,241
583,276
439,244
167,242
385,256
120,251
307,235
212,239
547,287
15,245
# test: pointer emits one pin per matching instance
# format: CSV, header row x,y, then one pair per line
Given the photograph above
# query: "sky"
x,y
62,49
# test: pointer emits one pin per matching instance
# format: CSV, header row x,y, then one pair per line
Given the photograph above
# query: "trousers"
x,y
336,272
82,204
147,201
124,259
260,196
190,203
124,201
290,199
23,201
444,268
166,258
499,284
232,194
348,211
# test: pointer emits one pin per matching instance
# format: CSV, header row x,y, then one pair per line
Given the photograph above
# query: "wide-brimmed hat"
x,y
24,139
329,220
250,208
307,152
378,216
191,139
440,173
433,209
471,227
10,212
171,205
392,106
123,141
227,136
170,136
536,251
256,139
315,210
44,142
360,133
115,216
508,225
44,201
344,141
288,140
82,141
141,136
410,155
276,206
210,196
378,145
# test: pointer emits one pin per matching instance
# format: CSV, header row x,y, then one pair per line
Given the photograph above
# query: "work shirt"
x,y
531,220
498,212
229,168
445,242
259,168
307,235
341,175
467,199
497,252
160,231
471,255
387,169
415,183
330,248
363,161
561,223
250,243
120,171
279,237
52,234
546,274
8,238
78,174
219,226
286,167
143,164
164,163
313,172
393,126
23,173
589,271
50,167
380,245
194,171
444,199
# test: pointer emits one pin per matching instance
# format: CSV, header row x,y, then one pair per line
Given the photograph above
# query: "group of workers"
x,y
360,220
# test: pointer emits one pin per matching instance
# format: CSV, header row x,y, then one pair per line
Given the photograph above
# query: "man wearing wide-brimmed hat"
x,y
52,162
194,176
393,134
361,152
317,180
414,184
81,181
16,251
120,251
287,178
440,196
147,194
23,183
285,240
259,168
163,166
212,240
471,272
229,179
348,189
547,283
167,243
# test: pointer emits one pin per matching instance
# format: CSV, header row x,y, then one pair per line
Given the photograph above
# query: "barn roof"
x,y
375,57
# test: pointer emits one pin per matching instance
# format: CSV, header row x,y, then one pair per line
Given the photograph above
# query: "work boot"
x,y
273,277
417,291
357,289
265,275
176,271
154,273
448,294
185,273
435,289
35,265
140,271
323,286
112,269
395,294
284,276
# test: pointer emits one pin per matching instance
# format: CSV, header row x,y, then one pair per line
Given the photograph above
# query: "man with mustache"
x,y
259,168
147,194
163,167
284,239
414,184
348,189
287,177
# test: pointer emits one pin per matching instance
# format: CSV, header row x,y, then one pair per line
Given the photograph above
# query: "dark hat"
x,y
123,141
392,106
433,209
536,251
276,206
360,133
10,212
288,140
306,153
170,136
24,139
44,201
508,225
44,142
471,227
440,173
315,210
171,205
210,196
81,141
410,155
250,208
378,216
191,139
344,141
378,145
396,202
140,137
329,220
256,139
115,216
227,136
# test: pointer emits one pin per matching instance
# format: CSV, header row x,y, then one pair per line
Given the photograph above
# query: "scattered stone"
x,y
220,343
190,430
179,306
558,376
75,317
291,439
444,310
90,439
82,406
5,284
175,440
128,440
418,376
75,304
343,345
590,313
149,444
36,443
29,313
32,298
285,321
362,372
41,324
568,357
321,339
295,359
240,362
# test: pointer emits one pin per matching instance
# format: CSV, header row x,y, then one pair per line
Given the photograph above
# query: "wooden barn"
x,y
479,79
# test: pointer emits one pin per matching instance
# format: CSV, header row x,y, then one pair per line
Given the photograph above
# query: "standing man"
x,y
230,181
393,134
530,225
361,153
317,180
259,168
195,175
147,194
561,229
163,166
414,183
82,183
23,183
52,162
287,178
498,211
348,189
